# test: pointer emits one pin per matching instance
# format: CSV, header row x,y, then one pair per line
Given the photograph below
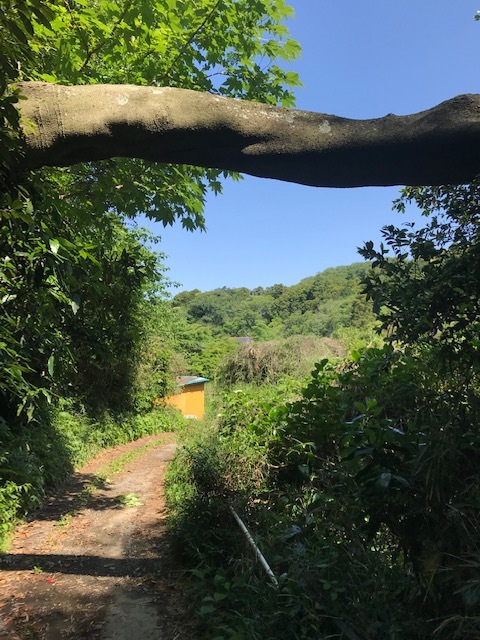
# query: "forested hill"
x,y
318,305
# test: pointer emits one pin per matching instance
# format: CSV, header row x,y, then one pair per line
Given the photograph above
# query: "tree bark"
x,y
87,123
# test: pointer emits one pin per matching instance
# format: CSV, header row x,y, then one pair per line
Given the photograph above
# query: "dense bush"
x,y
367,503
267,362
78,291
387,452
362,492
81,320
223,459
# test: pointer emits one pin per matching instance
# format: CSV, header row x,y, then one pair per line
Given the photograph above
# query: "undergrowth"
x,y
361,491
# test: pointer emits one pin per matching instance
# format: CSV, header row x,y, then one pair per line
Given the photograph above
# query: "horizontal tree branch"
x,y
87,123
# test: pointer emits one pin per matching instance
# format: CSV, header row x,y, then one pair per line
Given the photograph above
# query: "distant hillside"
x,y
319,305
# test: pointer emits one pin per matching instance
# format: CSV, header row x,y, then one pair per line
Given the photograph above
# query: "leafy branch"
x,y
190,40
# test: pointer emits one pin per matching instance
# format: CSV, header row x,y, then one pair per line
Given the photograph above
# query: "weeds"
x,y
361,492
65,520
129,500
119,463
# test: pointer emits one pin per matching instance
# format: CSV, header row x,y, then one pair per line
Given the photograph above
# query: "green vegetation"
x,y
87,338
359,480
329,305
267,362
320,306
361,484
103,476
129,500
38,457
429,294
119,463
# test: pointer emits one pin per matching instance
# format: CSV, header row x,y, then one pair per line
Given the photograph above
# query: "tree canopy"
x,y
75,280
320,305
135,66
220,47
86,337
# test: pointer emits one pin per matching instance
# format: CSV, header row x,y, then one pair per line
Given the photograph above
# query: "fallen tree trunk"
x,y
87,123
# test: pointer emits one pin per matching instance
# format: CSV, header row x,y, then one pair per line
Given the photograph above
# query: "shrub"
x,y
362,492
266,362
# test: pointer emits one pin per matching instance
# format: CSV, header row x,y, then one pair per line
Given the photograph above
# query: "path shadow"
x,y
76,494
145,597
144,552
77,565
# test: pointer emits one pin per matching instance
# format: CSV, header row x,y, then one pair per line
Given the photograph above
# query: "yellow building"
x,y
189,396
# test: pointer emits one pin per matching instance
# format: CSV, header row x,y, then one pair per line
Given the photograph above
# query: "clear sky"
x,y
360,60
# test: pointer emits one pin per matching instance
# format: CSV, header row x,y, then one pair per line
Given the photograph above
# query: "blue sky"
x,y
359,60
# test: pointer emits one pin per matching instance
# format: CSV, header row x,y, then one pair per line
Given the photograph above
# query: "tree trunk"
x,y
94,122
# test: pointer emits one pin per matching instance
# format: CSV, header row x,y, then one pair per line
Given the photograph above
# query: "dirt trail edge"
x,y
93,563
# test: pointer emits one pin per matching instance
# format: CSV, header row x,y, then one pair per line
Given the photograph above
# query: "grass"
x,y
129,500
119,463
309,481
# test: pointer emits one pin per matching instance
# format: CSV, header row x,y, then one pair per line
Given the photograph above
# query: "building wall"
x,y
190,400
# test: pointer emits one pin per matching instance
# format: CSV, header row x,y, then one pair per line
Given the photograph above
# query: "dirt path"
x,y
93,564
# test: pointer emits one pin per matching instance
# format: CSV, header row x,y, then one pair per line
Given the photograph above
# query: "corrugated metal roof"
x,y
183,381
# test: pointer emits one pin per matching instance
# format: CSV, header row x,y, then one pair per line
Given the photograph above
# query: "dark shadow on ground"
x,y
77,493
81,607
144,550
76,565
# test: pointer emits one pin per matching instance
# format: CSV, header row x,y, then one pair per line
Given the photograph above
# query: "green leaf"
x,y
75,303
51,364
220,596
54,245
206,609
